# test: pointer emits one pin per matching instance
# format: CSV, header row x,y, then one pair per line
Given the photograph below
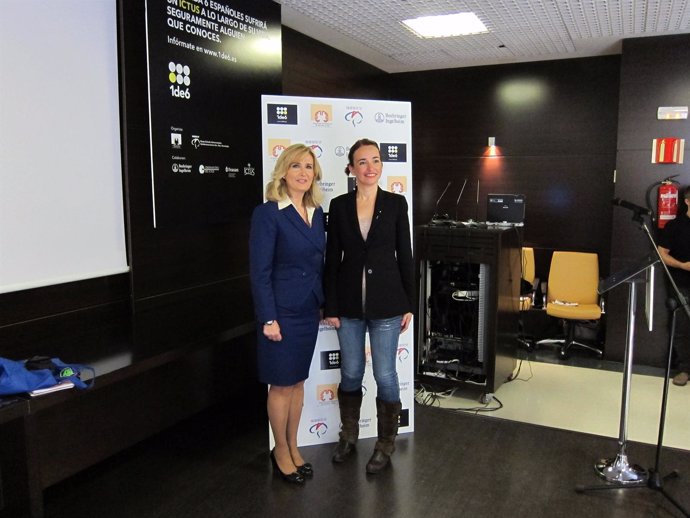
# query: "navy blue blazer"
x,y
386,257
285,259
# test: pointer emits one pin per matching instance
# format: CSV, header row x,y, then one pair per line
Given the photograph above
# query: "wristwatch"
x,y
269,322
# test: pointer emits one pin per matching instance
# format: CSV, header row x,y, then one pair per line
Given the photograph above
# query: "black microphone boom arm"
x,y
631,206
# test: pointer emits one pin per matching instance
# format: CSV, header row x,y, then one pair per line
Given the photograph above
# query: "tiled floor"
x,y
216,465
588,400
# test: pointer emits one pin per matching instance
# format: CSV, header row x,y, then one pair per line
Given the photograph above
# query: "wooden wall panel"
x,y
555,127
654,72
313,69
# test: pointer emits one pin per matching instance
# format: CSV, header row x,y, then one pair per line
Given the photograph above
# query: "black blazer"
x,y
386,256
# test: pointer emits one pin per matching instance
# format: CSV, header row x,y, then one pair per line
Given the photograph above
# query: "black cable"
x,y
514,376
432,399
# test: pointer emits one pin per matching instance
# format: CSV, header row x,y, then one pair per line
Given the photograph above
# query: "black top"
x,y
676,238
385,256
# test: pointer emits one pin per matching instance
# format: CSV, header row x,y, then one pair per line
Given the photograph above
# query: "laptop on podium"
x,y
505,210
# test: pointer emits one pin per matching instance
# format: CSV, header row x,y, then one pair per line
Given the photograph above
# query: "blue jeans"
x,y
383,335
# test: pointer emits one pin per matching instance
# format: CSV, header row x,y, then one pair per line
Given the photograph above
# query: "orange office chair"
x,y
527,294
572,295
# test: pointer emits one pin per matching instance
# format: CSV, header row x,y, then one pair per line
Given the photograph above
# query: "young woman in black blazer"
x,y
369,286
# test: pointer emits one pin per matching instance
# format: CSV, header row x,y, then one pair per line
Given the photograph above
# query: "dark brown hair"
x,y
351,154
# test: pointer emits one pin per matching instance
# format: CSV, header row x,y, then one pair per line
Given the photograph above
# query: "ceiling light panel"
x,y
446,26
519,30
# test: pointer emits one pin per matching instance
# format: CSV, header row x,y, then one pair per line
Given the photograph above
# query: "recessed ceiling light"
x,y
444,26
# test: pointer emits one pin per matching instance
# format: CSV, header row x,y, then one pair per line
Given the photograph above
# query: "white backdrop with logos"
x,y
330,126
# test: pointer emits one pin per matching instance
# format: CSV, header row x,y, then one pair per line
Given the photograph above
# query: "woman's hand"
x,y
333,321
272,331
405,323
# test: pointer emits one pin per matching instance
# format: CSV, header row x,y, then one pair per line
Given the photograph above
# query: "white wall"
x,y
61,203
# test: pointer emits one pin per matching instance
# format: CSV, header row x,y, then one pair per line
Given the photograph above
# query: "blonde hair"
x,y
276,189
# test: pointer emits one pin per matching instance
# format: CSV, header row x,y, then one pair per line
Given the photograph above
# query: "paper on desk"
x,y
63,385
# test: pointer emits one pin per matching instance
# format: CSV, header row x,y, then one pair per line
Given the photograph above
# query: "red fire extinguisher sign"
x,y
668,150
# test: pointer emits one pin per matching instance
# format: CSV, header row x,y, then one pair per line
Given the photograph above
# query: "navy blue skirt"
x,y
287,362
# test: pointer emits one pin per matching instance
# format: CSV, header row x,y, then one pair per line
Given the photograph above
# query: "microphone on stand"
x,y
440,219
475,222
457,202
631,206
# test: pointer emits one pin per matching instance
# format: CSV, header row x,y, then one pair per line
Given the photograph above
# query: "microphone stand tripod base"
x,y
620,471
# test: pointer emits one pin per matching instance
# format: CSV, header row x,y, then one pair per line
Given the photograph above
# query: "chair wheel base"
x,y
526,343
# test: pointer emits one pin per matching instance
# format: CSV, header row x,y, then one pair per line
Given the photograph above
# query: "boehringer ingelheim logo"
x,y
178,75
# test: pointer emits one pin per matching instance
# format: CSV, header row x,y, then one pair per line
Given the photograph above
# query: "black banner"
x,y
209,63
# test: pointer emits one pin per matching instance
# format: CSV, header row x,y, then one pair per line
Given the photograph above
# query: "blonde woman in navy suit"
x,y
369,286
286,248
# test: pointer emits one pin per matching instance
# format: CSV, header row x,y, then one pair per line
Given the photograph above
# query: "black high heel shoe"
x,y
306,470
292,478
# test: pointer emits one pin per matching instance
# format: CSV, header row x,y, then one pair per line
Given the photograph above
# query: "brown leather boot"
x,y
387,415
349,403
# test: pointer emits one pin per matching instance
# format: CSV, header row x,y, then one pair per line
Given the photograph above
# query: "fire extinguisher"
x,y
666,200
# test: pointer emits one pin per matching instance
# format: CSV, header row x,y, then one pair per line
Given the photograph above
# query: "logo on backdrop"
x,y
208,169
351,183
198,142
282,114
330,360
397,184
390,118
178,75
249,170
321,114
404,419
320,428
355,117
182,168
340,151
176,140
327,393
318,150
403,354
277,145
393,152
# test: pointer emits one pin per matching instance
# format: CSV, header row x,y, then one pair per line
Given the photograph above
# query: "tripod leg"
x,y
674,502
656,481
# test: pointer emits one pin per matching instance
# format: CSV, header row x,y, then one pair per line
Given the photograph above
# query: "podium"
x,y
469,301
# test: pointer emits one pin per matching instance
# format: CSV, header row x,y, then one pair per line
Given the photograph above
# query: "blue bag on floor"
x,y
17,377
